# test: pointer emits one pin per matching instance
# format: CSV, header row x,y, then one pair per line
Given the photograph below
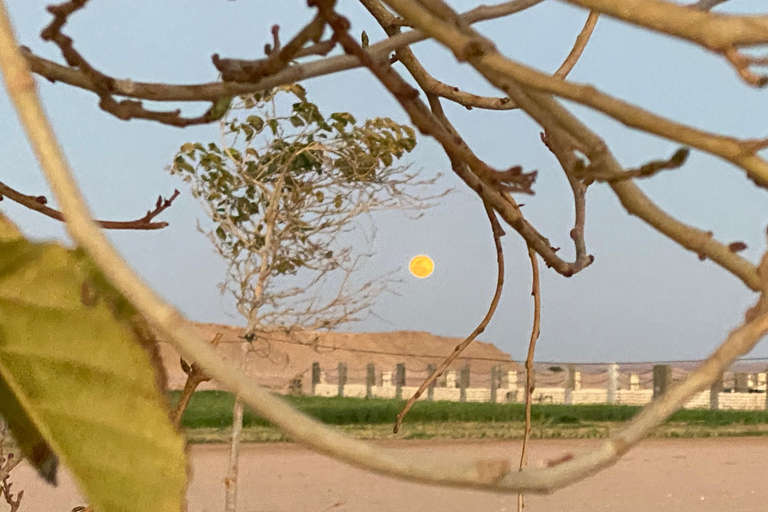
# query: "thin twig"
x,y
578,48
38,204
195,377
278,59
720,33
105,86
11,461
13,501
564,148
498,232
530,383
648,170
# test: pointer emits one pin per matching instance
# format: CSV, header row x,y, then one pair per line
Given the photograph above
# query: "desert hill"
x,y
275,358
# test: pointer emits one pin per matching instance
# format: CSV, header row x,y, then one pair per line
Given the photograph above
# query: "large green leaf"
x,y
28,438
84,381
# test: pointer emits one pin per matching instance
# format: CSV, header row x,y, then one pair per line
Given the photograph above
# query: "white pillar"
x,y
576,380
450,379
386,379
634,382
613,382
511,380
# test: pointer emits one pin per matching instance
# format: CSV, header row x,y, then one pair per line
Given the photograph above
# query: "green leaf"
x,y
273,124
27,437
180,163
86,384
256,122
219,108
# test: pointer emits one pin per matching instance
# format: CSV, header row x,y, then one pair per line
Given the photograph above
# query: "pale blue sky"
x,y
644,298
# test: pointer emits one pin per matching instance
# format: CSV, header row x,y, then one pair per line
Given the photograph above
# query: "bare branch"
x,y
105,86
742,64
482,55
195,377
546,111
216,91
720,33
636,202
530,383
497,234
511,180
564,148
431,85
38,204
14,501
278,59
510,212
439,128
11,461
578,48
645,171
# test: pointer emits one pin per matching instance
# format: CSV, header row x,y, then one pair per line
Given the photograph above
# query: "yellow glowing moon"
x,y
421,266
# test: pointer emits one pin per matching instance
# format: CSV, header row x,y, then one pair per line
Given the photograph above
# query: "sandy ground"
x,y
660,474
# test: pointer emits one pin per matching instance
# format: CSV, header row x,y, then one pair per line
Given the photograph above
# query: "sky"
x,y
643,299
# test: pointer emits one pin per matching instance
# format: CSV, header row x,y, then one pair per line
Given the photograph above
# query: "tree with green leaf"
x,y
284,190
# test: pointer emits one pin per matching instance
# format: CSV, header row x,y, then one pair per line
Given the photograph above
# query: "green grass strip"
x,y
213,409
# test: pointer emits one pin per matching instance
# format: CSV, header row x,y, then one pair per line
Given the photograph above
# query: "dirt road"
x,y
660,474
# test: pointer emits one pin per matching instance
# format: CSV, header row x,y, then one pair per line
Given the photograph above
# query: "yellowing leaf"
x,y
85,383
28,438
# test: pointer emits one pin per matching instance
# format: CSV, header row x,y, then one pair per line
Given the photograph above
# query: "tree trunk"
x,y
231,480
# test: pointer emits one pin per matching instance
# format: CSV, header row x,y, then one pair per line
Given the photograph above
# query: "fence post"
x,y
765,387
570,383
741,383
714,393
662,377
315,376
495,373
342,370
399,380
463,383
431,388
370,379
613,382
512,385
